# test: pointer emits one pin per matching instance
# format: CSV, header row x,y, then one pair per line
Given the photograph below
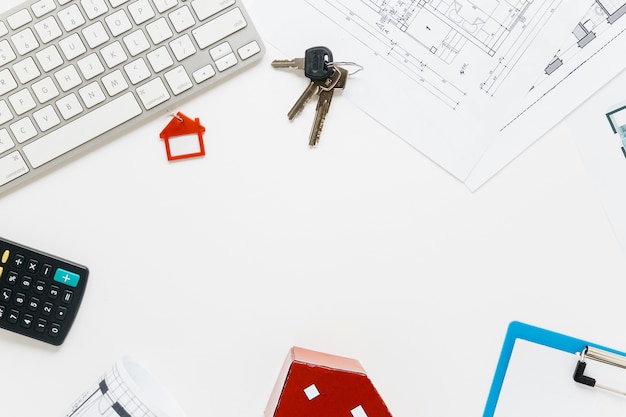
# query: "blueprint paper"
x,y
584,61
442,75
595,128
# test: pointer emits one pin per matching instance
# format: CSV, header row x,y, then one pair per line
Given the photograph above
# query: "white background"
x,y
208,270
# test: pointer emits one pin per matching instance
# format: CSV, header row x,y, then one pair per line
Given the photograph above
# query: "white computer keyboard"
x,y
76,72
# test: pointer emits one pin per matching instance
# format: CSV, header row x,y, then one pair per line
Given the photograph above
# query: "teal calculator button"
x,y
66,277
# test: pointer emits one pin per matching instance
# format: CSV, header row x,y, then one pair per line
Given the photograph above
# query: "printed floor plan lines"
x,y
599,18
411,33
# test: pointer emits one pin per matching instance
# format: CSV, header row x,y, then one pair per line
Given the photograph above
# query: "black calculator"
x,y
39,293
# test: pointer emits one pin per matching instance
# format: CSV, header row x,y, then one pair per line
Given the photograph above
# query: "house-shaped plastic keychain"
x,y
315,384
183,137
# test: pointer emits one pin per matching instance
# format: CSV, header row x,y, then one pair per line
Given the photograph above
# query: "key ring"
x,y
344,63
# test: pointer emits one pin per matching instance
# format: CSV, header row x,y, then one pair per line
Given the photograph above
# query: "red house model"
x,y
183,137
314,384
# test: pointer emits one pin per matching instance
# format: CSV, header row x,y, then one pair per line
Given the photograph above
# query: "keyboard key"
x,y
178,80
49,58
22,101
203,73
158,31
45,90
249,50
5,112
118,23
67,77
46,118
24,41
19,19
113,54
69,106
141,11
94,8
164,5
71,17
182,19
219,28
48,29
182,47
92,94
95,35
153,93
114,83
23,130
72,46
6,142
137,71
160,59
7,82
3,29
6,53
136,42
82,130
26,70
90,66
43,7
12,166
207,8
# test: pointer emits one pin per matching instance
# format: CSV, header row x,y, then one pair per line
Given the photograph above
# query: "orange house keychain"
x,y
183,137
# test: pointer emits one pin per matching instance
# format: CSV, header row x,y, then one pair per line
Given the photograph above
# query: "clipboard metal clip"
x,y
599,355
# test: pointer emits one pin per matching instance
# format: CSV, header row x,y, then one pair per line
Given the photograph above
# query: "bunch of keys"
x,y
324,78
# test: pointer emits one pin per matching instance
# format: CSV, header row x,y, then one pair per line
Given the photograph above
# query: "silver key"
x,y
311,90
323,103
297,63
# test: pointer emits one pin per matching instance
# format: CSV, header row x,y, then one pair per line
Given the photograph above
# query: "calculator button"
x,y
53,292
18,261
61,313
5,295
5,256
33,304
47,308
2,310
40,326
27,321
66,277
20,299
67,296
46,269
25,283
12,279
32,265
40,286
13,316
55,328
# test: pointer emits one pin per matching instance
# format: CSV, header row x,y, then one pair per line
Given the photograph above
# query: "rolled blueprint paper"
x,y
127,390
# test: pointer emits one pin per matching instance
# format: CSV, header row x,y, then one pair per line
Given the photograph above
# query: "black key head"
x,y
316,62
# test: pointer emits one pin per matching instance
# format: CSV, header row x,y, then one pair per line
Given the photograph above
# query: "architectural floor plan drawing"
x,y
600,16
436,43
583,61
441,74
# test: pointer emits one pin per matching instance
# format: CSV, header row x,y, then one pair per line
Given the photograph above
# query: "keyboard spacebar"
x,y
82,130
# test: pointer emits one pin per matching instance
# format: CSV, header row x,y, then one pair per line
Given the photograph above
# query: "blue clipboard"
x,y
552,377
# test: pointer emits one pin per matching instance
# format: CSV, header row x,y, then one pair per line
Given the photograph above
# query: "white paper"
x,y
600,149
439,74
539,382
585,60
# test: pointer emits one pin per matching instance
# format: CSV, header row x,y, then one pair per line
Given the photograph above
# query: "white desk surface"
x,y
208,270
